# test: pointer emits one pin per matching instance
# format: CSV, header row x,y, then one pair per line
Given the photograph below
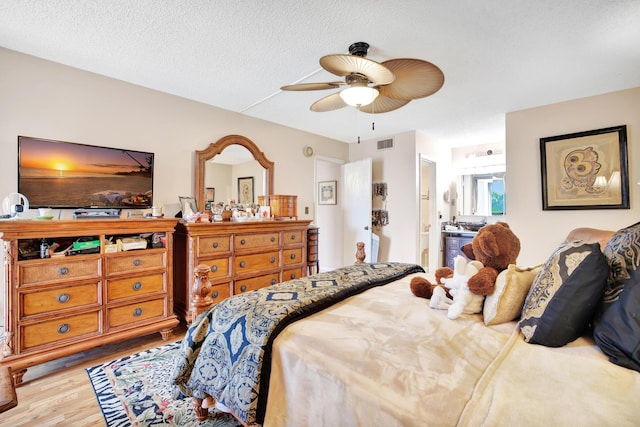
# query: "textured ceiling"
x,y
497,55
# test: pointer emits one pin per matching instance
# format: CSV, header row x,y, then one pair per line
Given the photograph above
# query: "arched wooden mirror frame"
x,y
216,148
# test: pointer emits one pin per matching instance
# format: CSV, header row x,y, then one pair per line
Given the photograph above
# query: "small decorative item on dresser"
x,y
283,206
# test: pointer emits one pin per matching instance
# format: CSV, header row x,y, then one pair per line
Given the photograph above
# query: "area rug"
x,y
136,391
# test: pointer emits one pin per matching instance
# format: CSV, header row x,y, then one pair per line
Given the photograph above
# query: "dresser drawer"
x,y
134,262
292,237
132,313
292,273
52,300
251,241
254,283
134,286
61,329
64,270
212,245
292,256
256,262
220,292
218,268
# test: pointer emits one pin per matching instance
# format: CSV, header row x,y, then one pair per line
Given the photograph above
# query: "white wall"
x,y
43,99
396,167
218,176
541,231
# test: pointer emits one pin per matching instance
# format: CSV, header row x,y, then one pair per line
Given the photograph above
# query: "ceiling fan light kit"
x,y
358,96
373,87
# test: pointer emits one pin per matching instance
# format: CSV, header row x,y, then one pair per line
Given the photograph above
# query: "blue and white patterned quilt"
x,y
226,353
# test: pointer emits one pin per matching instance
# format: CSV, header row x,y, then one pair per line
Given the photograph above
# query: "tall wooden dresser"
x,y
87,296
313,262
242,256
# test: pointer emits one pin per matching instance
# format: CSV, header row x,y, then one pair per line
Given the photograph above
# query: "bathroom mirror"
x,y
481,194
205,165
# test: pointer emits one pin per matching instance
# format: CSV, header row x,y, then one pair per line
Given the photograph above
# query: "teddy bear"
x,y
495,246
423,288
463,300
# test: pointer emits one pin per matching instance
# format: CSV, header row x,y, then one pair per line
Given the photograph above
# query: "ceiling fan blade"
x,y
384,104
415,79
343,65
328,103
313,86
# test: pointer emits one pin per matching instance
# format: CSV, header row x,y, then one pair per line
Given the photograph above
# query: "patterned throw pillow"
x,y
512,286
565,294
617,324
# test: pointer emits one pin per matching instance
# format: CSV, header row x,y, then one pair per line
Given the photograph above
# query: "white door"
x,y
356,201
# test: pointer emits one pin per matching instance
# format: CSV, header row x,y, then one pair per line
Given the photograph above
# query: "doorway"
x,y
428,247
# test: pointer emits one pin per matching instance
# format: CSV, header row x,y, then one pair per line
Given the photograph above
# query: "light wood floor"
x,y
58,393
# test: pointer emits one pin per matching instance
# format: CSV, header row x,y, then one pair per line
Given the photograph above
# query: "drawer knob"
x,y
243,264
137,312
273,281
293,256
293,275
63,270
273,239
137,286
293,237
272,259
137,262
243,288
64,328
214,294
214,268
215,245
62,298
242,242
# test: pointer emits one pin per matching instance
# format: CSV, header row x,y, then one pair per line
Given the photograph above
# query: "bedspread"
x,y
384,358
380,358
226,353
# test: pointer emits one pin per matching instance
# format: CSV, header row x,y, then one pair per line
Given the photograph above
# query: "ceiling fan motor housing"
x,y
359,49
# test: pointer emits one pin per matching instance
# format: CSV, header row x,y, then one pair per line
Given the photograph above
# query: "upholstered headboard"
x,y
591,235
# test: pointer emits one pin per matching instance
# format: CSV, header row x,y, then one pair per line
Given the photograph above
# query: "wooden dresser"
x,y
62,305
242,256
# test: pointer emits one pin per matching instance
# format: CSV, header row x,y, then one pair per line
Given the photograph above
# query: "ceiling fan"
x,y
373,87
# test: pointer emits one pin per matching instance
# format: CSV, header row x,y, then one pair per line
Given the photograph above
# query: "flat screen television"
x,y
59,174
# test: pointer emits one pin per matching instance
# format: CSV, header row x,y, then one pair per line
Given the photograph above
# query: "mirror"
x,y
216,148
482,194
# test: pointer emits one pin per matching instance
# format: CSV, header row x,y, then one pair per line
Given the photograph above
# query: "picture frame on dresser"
x,y
585,170
188,205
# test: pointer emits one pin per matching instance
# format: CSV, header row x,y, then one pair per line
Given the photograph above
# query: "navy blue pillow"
x,y
565,294
617,324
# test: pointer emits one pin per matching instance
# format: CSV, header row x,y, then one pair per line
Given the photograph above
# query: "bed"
x,y
371,353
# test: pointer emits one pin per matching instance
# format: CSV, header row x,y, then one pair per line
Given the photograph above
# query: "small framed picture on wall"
x,y
327,193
